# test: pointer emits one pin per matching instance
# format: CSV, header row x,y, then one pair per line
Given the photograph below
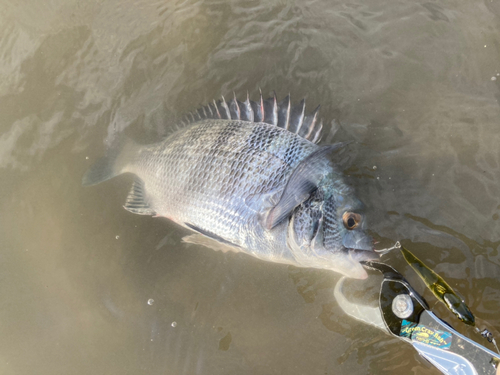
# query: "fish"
x,y
440,288
248,177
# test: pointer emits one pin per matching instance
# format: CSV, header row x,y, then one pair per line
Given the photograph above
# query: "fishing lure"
x,y
440,288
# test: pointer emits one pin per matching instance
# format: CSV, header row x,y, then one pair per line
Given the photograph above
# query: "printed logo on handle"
x,y
425,335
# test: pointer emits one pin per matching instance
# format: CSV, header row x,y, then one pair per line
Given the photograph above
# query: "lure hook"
x,y
397,245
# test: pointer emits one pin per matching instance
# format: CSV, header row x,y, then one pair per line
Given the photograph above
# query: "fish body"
x,y
440,288
248,177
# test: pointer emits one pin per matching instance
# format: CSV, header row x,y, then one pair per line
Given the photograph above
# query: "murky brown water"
x,y
412,82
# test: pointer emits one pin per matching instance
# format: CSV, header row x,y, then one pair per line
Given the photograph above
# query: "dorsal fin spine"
x,y
217,109
249,108
317,136
237,106
226,108
313,122
288,113
210,109
301,118
283,114
275,109
262,105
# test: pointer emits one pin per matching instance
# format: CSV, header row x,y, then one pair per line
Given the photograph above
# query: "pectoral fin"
x,y
303,181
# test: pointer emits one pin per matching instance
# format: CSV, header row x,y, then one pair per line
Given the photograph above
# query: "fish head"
x,y
328,231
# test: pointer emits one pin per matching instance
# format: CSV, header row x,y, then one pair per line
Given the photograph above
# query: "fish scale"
x,y
219,174
237,175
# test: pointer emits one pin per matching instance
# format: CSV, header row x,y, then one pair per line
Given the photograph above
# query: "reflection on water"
x,y
90,288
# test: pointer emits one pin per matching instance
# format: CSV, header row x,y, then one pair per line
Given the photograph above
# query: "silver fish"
x,y
248,177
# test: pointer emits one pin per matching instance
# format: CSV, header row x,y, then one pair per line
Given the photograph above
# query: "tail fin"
x,y
119,156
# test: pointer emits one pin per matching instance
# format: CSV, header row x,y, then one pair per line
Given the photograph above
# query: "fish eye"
x,y
351,220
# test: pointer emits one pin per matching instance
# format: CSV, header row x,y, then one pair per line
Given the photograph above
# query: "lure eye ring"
x,y
351,220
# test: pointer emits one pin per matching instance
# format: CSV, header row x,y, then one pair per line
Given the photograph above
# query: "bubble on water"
x,y
174,324
151,301
86,157
493,78
378,178
117,237
374,167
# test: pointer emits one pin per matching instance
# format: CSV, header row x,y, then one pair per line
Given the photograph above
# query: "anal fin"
x,y
136,200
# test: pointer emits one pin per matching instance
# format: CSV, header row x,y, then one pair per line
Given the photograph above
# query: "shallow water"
x,y
413,83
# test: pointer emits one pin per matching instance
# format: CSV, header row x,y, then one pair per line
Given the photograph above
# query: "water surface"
x,y
413,83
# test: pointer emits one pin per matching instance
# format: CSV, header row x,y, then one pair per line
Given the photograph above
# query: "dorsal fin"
x,y
283,114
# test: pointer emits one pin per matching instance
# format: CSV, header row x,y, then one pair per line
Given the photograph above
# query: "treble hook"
x,y
488,336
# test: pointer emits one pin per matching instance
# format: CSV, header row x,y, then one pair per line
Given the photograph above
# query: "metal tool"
x,y
403,313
